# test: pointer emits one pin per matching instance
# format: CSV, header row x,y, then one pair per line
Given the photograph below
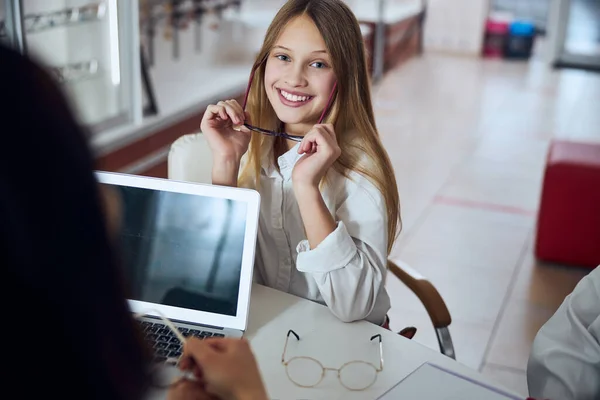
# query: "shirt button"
x,y
276,220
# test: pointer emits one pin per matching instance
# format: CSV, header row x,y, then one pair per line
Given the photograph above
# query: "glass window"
x,y
85,46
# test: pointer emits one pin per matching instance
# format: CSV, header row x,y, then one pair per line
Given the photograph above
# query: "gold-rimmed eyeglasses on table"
x,y
308,372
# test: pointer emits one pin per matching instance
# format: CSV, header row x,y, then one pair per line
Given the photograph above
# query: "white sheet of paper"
x,y
430,382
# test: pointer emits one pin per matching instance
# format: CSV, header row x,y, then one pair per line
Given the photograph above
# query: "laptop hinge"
x,y
184,322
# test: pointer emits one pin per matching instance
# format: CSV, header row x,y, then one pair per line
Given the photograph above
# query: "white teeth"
x,y
293,97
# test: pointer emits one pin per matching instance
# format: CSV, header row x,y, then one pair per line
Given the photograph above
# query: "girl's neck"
x,y
297,129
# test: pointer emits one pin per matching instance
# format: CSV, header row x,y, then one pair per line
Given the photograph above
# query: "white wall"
x,y
455,26
535,10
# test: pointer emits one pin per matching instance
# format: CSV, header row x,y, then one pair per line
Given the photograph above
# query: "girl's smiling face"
x,y
299,76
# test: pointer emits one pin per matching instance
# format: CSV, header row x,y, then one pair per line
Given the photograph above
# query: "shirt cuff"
x,y
335,252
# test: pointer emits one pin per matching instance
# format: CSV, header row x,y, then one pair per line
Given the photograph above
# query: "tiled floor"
x,y
468,139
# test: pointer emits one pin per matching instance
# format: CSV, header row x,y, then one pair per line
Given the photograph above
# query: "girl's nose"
x,y
296,78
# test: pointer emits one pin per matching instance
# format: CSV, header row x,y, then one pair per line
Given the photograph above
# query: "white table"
x,y
324,337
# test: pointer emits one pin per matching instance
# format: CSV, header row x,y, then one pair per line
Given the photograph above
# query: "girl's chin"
x,y
295,120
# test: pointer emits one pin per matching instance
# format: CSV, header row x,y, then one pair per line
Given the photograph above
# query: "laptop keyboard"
x,y
165,343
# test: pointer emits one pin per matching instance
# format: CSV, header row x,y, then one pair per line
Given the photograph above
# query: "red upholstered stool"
x,y
568,230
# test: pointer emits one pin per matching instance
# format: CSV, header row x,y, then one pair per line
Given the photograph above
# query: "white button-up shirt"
x,y
565,358
347,270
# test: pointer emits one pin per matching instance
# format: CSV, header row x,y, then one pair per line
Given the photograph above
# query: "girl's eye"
x,y
318,64
282,57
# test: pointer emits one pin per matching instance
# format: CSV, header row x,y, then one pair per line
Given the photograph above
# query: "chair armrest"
x,y
426,292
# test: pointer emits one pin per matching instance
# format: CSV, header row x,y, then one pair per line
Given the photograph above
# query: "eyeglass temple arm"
x,y
248,89
287,338
328,103
380,351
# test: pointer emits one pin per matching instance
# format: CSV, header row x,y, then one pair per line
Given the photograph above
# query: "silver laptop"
x,y
188,254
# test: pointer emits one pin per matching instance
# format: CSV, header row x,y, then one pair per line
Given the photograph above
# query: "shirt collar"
x,y
286,162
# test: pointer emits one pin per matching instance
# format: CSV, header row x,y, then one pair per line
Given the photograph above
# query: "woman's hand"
x,y
226,367
218,122
186,389
320,150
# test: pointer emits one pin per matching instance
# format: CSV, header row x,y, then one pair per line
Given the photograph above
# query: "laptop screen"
x,y
182,250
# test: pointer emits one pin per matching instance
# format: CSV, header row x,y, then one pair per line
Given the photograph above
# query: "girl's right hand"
x,y
218,122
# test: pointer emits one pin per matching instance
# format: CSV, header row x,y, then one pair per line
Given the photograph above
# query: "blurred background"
x,y
488,109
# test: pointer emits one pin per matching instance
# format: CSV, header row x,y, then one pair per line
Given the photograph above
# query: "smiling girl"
x,y
330,205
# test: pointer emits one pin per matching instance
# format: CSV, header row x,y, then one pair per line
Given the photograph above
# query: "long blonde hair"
x,y
354,122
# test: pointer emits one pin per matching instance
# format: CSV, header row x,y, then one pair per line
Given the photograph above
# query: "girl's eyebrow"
x,y
291,51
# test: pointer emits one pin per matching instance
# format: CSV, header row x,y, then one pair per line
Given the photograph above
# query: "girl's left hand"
x,y
320,150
